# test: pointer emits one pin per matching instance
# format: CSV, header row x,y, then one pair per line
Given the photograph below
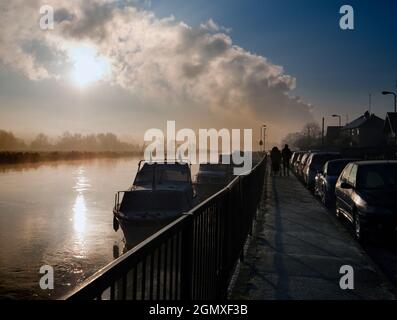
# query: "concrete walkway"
x,y
297,250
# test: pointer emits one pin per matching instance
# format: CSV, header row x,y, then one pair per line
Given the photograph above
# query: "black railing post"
x,y
187,261
225,248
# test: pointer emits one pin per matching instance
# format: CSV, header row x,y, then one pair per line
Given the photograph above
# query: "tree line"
x,y
67,142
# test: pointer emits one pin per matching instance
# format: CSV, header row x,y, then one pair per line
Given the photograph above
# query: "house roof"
x,y
361,121
391,121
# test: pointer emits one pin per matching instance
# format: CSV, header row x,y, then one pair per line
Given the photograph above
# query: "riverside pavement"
x,y
297,250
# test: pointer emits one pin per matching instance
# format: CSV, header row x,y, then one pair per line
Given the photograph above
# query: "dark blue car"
x,y
326,178
366,194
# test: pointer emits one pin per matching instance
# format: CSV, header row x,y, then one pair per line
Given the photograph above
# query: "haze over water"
x,y
58,214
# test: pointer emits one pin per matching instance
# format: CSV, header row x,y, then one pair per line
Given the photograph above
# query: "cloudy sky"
x,y
127,66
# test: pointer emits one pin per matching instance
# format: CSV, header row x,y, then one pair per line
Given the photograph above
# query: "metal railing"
x,y
193,258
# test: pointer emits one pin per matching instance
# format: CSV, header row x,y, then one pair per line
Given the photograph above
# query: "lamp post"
x,y
385,93
262,142
340,118
264,137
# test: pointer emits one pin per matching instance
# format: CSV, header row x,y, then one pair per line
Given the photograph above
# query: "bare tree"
x,y
308,137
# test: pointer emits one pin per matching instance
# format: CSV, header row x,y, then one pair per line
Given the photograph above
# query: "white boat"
x,y
161,192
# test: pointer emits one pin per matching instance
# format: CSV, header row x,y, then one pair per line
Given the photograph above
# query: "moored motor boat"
x,y
211,178
161,192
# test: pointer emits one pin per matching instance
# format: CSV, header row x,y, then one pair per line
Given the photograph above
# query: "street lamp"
x,y
340,118
385,93
262,143
264,137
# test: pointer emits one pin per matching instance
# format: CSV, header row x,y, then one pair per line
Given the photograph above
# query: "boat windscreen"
x,y
171,175
144,176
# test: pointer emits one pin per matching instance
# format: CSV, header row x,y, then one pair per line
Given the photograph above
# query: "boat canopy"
x,y
159,173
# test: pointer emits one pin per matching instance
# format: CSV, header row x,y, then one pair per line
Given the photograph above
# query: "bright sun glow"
x,y
89,67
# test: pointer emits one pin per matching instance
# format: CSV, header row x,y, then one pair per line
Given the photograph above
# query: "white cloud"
x,y
185,66
212,26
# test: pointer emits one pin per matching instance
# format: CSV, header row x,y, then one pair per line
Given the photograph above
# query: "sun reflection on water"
x,y
79,218
80,212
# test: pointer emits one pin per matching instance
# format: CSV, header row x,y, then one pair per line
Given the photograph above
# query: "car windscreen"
x,y
377,176
336,168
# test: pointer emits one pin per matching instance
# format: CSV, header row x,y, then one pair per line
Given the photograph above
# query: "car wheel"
x,y
360,234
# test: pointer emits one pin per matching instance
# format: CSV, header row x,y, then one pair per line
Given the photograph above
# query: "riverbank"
x,y
34,157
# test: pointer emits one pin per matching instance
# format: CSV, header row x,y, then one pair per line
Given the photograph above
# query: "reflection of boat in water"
x,y
161,192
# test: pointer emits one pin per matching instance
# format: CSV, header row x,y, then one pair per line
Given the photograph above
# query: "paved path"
x,y
297,250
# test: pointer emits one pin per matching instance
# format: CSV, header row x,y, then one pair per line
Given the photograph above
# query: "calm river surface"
x,y
58,214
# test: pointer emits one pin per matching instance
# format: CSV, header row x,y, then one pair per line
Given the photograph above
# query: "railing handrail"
x,y
104,278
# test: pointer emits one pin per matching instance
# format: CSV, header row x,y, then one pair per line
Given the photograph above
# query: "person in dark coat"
x,y
287,154
276,157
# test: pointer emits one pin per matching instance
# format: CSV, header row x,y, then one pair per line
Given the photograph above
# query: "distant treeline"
x,y
67,142
66,147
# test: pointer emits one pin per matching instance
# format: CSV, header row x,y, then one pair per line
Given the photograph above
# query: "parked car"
x,y
314,163
325,181
295,157
297,161
301,164
366,194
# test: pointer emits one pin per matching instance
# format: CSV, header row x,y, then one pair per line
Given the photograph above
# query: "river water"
x,y
58,214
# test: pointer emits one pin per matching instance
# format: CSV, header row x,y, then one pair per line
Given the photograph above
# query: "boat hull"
x,y
137,230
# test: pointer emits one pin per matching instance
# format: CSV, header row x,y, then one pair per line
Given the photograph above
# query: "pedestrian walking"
x,y
286,154
275,157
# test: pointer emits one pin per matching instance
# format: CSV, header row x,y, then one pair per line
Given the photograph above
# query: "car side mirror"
x,y
345,185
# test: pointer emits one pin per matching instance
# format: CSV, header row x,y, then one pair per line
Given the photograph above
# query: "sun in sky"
x,y
88,66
